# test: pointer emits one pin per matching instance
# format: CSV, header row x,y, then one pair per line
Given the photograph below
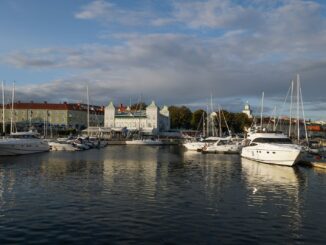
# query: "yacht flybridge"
x,y
22,143
272,148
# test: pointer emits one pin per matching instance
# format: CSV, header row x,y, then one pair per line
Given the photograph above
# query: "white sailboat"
x,y
19,143
199,145
224,145
22,143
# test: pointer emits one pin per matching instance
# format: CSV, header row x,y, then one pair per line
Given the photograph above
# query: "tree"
x,y
198,118
235,121
138,106
180,117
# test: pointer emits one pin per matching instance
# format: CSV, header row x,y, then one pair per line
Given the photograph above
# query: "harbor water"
x,y
158,195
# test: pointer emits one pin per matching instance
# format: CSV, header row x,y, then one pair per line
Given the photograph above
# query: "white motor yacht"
x,y
272,148
22,143
223,146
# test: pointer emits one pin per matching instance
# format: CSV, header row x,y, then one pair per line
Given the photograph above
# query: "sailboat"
x,y
18,143
224,145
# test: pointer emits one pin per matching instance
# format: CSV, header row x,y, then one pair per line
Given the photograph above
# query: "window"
x,y
273,140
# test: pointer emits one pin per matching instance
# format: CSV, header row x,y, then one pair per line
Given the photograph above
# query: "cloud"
x,y
109,13
233,51
94,10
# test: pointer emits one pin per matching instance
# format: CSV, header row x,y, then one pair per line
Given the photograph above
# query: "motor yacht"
x,y
272,148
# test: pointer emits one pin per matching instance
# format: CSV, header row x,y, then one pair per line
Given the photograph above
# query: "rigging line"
x,y
227,126
281,111
303,115
198,126
270,118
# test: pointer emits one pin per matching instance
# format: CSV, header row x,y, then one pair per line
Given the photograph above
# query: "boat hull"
x,y
144,142
271,155
61,147
8,149
223,149
195,146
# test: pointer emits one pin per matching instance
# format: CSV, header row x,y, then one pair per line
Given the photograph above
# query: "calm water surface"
x,y
151,195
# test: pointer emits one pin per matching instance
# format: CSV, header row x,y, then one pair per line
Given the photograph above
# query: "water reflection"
x,y
134,194
274,184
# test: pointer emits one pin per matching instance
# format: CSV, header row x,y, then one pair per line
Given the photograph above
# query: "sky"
x,y
176,52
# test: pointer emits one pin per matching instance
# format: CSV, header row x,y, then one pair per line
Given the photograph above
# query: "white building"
x,y
151,120
247,110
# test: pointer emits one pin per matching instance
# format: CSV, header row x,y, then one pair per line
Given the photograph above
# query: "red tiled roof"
x,y
53,106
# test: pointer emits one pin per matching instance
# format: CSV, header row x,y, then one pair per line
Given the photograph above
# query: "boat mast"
x,y
274,119
303,115
3,109
203,118
261,112
213,133
87,110
207,124
290,124
12,107
220,120
298,105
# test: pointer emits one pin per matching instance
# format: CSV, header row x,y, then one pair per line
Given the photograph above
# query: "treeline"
x,y
183,118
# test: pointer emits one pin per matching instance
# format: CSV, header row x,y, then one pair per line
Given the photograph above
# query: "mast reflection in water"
x,y
136,194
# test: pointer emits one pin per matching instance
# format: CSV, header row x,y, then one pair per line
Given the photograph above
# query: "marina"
x,y
137,194
163,122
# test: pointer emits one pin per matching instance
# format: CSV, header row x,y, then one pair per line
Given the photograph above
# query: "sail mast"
x,y
3,109
220,120
87,111
290,124
261,112
298,106
12,107
212,124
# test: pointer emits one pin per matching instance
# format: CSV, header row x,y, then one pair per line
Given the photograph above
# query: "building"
x,y
246,110
152,120
63,115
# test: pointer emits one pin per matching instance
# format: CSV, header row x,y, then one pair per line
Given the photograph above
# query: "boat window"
x,y
273,140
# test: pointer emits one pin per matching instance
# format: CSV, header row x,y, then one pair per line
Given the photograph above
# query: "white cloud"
x,y
94,10
260,48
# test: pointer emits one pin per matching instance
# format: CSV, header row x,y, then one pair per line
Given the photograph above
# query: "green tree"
x,y
180,117
235,121
198,118
138,106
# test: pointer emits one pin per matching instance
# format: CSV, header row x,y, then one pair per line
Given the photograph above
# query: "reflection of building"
x,y
152,119
63,115
247,110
